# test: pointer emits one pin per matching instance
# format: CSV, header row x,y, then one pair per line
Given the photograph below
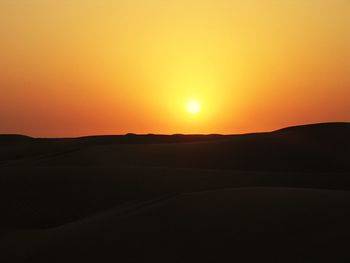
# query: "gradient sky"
x,y
81,67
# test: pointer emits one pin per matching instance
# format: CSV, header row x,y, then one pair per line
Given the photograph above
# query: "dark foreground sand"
x,y
171,199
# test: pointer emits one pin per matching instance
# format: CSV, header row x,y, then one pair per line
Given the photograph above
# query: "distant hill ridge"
x,y
317,128
314,147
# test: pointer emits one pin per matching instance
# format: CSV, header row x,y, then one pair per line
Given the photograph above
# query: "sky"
x,y
84,67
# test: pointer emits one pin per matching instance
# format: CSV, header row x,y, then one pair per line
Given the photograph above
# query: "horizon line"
x,y
179,134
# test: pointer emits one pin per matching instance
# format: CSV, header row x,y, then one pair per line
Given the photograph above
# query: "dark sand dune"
x,y
319,147
243,224
270,197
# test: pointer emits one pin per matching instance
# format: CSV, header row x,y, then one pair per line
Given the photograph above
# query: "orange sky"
x,y
81,67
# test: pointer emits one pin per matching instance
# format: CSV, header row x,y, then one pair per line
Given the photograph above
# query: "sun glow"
x,y
193,106
159,66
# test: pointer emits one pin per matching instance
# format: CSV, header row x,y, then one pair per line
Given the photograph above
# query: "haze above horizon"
x,y
71,68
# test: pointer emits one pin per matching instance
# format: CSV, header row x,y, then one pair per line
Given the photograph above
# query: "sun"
x,y
193,106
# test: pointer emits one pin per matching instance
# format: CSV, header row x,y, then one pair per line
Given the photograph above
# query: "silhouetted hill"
x,y
319,129
280,196
13,138
317,147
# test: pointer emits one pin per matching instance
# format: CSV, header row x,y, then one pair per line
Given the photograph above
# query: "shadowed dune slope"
x,y
317,147
245,225
275,197
44,197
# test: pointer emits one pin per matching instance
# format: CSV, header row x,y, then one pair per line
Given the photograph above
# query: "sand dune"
x,y
274,224
272,197
319,147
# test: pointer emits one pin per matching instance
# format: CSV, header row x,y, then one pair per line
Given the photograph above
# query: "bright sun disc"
x,y
193,107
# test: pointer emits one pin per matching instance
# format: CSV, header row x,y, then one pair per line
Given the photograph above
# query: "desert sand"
x,y
281,196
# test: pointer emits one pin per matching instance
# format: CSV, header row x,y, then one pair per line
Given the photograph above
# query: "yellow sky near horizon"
x,y
78,67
